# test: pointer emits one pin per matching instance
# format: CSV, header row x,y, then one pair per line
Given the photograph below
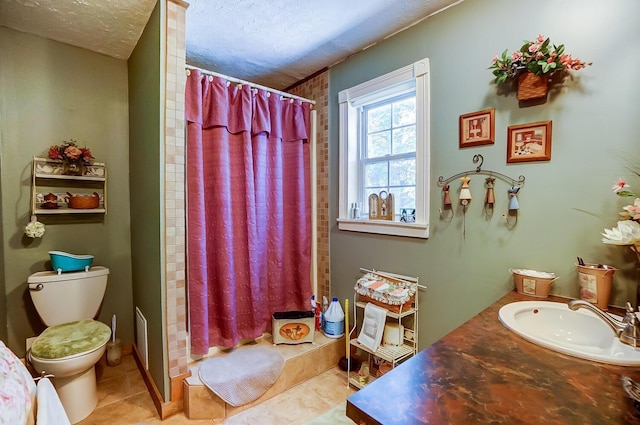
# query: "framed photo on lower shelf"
x,y
529,142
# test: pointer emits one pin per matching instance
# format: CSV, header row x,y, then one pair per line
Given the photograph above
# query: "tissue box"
x,y
533,283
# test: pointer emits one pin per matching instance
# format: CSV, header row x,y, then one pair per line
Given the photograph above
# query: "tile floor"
x,y
124,400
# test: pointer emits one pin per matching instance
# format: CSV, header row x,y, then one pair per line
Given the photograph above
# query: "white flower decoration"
x,y
34,229
626,233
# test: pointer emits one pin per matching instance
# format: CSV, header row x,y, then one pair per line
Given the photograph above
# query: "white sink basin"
x,y
577,333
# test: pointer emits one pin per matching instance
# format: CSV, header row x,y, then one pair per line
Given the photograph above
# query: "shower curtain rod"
x,y
250,84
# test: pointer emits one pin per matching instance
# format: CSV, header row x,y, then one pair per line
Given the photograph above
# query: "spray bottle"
x,y
325,306
318,317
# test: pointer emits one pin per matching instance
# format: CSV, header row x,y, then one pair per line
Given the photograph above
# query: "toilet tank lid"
x,y
54,276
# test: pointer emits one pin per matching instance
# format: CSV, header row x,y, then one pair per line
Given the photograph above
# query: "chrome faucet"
x,y
627,330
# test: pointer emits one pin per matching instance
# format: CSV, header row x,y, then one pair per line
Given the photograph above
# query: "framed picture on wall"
x,y
477,128
529,142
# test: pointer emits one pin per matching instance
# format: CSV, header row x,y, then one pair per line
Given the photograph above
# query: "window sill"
x,y
383,227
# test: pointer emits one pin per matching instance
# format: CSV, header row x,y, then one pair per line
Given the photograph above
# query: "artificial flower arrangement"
x,y
69,151
539,56
627,232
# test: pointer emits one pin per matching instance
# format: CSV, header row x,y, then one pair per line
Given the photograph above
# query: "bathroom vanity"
x,y
483,373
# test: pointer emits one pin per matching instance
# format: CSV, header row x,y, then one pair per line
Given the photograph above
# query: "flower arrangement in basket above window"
x,y
69,151
533,65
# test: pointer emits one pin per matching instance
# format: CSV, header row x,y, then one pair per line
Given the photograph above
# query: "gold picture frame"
x,y
477,128
529,142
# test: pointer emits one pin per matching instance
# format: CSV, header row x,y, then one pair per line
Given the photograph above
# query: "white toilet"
x,y
73,342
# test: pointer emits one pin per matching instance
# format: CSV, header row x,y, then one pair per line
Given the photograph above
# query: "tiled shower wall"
x,y
174,196
315,88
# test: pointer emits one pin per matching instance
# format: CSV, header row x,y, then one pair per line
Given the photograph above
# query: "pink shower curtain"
x,y
248,214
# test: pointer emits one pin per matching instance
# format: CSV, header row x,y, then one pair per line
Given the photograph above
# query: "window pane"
x,y
404,198
404,112
379,118
375,174
404,140
379,144
402,172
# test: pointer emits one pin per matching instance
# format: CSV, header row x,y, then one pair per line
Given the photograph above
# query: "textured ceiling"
x,y
112,27
271,42
279,42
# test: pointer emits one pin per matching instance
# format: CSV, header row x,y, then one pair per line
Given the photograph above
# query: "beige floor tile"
x,y
298,404
124,400
136,409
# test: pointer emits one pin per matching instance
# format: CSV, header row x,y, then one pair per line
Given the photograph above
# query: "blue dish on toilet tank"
x,y
65,262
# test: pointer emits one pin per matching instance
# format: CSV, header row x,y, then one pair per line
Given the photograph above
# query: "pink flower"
x,y
495,59
571,63
72,152
619,185
516,56
540,39
633,210
533,47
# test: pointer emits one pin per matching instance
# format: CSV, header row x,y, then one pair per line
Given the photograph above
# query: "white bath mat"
x,y
243,375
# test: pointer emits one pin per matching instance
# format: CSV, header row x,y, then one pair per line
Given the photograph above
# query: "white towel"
x,y
50,409
372,326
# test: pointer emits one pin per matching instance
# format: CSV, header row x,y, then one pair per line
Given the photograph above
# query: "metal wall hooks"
x,y
478,170
489,200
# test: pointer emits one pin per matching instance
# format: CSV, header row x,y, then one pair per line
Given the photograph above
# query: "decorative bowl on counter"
x,y
65,262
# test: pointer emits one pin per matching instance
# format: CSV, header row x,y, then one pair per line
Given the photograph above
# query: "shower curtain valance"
x,y
245,109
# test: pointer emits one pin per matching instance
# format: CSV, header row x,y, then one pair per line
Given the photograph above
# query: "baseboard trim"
x,y
177,389
164,409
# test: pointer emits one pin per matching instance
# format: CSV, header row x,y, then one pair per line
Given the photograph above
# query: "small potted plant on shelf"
x,y
533,65
73,158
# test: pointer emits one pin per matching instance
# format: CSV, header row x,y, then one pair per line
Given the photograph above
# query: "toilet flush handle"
x,y
38,287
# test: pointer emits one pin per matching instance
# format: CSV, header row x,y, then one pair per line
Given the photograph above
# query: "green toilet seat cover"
x,y
68,339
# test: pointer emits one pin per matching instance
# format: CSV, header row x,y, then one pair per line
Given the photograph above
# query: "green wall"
x,y
565,203
52,92
3,288
146,112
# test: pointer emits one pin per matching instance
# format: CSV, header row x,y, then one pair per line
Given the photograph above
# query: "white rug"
x,y
243,375
335,416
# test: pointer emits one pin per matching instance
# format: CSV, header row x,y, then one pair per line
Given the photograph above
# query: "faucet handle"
x,y
631,333
629,308
631,315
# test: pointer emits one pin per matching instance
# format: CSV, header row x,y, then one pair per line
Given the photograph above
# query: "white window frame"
x,y
349,100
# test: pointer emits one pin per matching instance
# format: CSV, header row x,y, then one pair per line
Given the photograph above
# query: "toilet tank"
x,y
65,297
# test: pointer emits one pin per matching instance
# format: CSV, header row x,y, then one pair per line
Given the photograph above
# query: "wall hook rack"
x,y
479,158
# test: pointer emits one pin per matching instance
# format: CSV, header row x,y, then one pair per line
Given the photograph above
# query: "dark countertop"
x,y
483,373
